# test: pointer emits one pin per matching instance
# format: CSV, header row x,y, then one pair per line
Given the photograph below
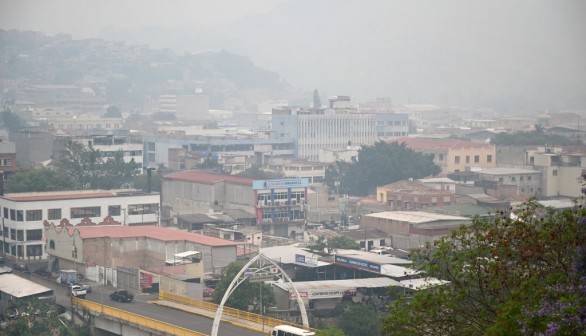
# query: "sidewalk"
x,y
211,314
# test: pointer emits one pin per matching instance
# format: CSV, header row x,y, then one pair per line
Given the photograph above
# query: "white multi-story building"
x,y
336,127
23,215
561,169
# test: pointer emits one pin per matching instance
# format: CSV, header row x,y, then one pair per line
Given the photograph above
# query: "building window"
x,y
457,159
5,162
114,210
555,172
20,235
227,236
34,215
85,212
467,158
6,213
521,178
19,216
489,158
381,242
501,180
34,250
476,158
52,244
34,234
513,179
54,214
143,209
529,178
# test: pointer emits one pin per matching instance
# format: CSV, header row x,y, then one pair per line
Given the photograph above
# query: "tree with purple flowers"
x,y
512,275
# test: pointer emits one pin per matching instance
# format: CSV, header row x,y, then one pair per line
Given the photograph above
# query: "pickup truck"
x,y
78,291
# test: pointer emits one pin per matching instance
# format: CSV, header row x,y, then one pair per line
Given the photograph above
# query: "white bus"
x,y
285,330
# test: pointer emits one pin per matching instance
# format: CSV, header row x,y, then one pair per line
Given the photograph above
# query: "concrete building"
x,y
34,145
413,195
349,154
522,182
279,205
80,122
8,163
314,172
253,147
70,97
136,257
561,169
409,229
23,215
454,155
186,107
336,127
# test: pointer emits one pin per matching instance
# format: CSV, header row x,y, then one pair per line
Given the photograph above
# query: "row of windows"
x,y
5,162
476,158
514,178
31,235
81,212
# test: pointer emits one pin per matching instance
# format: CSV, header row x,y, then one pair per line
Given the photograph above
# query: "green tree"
x,y
533,138
319,245
89,169
112,112
40,318
11,121
330,332
255,171
140,181
496,271
246,294
377,165
40,180
359,320
343,242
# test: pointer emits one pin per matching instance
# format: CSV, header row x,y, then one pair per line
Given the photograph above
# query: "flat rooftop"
x,y
18,287
416,217
73,194
304,286
506,171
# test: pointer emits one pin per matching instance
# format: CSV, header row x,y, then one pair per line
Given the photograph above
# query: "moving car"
x,y
121,296
78,291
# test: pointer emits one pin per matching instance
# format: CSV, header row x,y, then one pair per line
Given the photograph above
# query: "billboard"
x,y
357,263
278,184
306,260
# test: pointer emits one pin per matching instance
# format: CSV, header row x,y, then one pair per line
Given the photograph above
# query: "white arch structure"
x,y
241,277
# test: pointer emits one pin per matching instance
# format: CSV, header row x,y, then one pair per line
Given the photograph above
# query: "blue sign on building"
x,y
357,263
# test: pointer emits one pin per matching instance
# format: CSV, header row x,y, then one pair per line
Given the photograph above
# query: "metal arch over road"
x,y
264,267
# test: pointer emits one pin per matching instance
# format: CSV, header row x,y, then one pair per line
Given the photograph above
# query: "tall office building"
x,y
336,127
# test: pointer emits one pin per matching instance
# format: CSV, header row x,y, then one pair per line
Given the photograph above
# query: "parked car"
x,y
121,296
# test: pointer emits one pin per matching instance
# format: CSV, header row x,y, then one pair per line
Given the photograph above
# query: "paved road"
x,y
141,306
176,317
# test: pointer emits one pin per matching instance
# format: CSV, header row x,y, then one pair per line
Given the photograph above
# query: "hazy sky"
x,y
513,53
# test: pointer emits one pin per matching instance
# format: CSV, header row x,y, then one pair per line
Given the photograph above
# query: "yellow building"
x,y
454,155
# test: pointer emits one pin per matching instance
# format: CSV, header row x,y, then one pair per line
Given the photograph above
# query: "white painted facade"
x,y
23,214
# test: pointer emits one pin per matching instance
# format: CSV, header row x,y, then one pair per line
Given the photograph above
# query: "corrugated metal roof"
x,y
16,286
286,254
303,286
373,257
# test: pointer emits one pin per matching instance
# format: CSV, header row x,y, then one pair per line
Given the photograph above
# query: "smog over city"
x,y
296,167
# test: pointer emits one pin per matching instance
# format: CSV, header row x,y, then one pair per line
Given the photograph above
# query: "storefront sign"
x,y
356,263
277,184
306,260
